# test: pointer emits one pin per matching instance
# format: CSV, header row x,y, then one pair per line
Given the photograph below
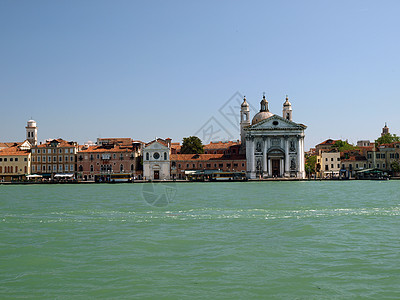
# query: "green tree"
x,y
341,146
387,139
192,145
310,164
395,166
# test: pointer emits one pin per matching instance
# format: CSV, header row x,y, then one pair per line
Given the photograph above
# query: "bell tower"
x,y
287,110
31,132
244,120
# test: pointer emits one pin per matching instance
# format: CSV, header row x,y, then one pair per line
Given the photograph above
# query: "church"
x,y
274,145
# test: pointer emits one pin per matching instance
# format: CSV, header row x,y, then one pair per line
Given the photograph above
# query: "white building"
x,y
274,144
156,160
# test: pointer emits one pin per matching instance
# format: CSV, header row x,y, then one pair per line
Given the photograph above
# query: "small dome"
x,y
262,115
31,123
245,104
287,103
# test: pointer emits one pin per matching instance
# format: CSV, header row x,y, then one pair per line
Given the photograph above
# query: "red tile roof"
x,y
12,151
205,157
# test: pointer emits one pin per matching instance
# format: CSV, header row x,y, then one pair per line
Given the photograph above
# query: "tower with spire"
x,y
385,130
31,132
244,120
287,110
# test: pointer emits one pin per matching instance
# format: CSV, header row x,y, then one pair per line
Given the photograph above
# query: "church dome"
x,y
262,115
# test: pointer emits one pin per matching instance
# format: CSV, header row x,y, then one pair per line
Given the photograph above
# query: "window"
x,y
208,165
54,151
121,157
369,155
38,151
338,159
331,158
48,151
33,151
343,166
215,165
66,150
71,158
5,158
383,166
55,158
383,155
242,164
38,158
228,165
80,168
60,168
11,159
98,156
91,157
71,167
378,155
16,159
221,166
377,165
1,159
147,156
200,165
179,166
173,164
165,155
356,166
326,167
91,168
121,168
187,166
114,156
33,169
44,168
44,159
132,167
396,155
60,158
194,166
66,168
60,151
55,168
49,158
331,166
326,159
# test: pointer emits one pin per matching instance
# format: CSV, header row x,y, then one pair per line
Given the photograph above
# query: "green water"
x,y
253,240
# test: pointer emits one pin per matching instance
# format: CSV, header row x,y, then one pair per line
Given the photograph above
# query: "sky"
x,y
146,69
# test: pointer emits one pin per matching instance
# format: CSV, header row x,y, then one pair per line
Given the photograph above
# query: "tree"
x,y
395,166
387,139
192,145
341,146
310,164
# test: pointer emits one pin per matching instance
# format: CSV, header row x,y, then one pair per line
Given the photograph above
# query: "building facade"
x,y
15,162
110,156
56,156
274,144
156,160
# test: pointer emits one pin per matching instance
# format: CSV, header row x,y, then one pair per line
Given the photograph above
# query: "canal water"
x,y
247,240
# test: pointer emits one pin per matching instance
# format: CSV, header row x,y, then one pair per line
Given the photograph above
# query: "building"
x,y
274,145
56,156
110,156
15,162
156,160
325,146
351,162
330,164
183,163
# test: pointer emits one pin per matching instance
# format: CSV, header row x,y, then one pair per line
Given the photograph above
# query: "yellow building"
x,y
15,162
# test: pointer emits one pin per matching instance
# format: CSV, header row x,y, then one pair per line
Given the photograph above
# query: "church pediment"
x,y
276,123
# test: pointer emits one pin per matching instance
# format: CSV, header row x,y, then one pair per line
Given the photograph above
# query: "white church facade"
x,y
274,145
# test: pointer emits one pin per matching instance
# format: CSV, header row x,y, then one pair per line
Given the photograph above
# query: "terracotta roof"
x,y
102,149
221,145
62,143
9,144
204,157
13,151
328,142
122,141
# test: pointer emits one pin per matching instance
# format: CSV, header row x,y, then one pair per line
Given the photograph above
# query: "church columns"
x,y
265,157
251,168
269,168
287,158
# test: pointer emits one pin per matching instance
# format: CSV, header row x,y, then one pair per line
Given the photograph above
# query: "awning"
x,y
34,176
65,175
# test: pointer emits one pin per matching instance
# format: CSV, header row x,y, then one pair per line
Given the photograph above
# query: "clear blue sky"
x,y
141,69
